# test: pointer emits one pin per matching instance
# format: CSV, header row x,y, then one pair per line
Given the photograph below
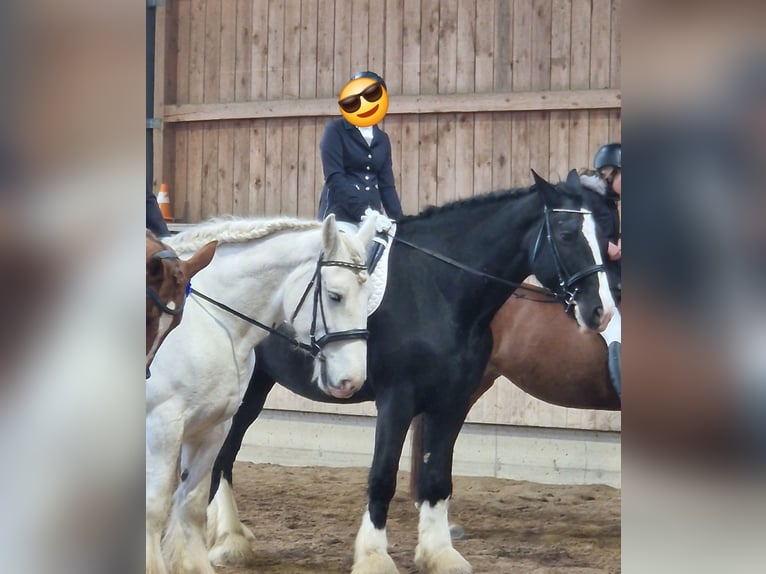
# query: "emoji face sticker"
x,y
363,102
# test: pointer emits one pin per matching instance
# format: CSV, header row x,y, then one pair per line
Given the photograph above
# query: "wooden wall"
x,y
481,91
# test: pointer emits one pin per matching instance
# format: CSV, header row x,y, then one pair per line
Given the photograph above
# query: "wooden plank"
x,y
482,143
308,50
241,169
182,17
446,189
212,52
410,156
464,84
429,47
288,187
307,181
579,153
360,22
257,170
291,66
209,184
179,185
243,52
164,59
273,168
227,88
394,31
197,52
503,49
193,205
376,37
228,51
601,18
447,61
410,162
539,122
522,81
259,64
615,50
276,51
429,84
410,53
225,171
342,61
438,104
325,49
561,39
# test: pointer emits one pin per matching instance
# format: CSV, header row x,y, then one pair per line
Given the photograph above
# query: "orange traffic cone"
x,y
163,199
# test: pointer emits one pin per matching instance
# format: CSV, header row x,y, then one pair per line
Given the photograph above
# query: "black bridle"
x,y
567,281
154,296
316,345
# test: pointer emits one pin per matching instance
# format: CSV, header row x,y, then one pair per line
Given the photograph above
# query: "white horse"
x,y
266,270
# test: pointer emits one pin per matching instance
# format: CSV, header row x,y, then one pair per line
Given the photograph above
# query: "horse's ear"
x,y
546,191
200,259
573,180
369,225
329,235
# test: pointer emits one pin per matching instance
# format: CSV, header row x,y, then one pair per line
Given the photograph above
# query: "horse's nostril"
x,y
598,313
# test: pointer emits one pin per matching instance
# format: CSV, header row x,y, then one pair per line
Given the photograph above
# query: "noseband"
x,y
318,344
154,296
567,281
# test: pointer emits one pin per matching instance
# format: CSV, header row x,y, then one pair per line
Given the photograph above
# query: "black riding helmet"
x,y
609,155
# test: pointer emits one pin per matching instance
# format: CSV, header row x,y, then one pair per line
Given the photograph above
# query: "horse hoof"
x,y
232,551
445,561
456,532
375,563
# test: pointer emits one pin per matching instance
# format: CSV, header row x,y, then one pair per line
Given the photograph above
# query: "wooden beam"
x,y
426,104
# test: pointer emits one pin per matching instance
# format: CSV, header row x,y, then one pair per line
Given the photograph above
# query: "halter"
x,y
566,280
316,345
154,296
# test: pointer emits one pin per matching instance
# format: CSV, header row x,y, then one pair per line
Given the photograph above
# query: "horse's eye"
x,y
567,235
337,297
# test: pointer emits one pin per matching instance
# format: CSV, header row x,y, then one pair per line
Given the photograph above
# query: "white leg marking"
x,y
371,550
229,539
434,553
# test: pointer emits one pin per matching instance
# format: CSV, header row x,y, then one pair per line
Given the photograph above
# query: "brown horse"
x,y
166,279
542,351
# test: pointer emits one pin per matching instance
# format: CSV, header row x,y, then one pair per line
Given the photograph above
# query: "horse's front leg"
x,y
228,539
434,553
184,545
371,548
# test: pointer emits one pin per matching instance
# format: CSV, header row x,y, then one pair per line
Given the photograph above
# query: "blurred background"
x,y
72,164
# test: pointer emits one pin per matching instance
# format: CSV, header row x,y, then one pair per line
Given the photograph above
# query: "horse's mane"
x,y
482,199
236,230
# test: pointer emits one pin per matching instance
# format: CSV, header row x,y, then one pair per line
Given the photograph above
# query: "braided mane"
x,y
236,230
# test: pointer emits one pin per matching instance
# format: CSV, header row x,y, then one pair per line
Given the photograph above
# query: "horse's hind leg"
x,y
434,553
229,539
371,547
184,543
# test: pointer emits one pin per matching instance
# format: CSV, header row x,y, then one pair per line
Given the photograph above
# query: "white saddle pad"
x,y
379,277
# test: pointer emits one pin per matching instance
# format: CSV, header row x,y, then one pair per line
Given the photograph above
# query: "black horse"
x,y
450,270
